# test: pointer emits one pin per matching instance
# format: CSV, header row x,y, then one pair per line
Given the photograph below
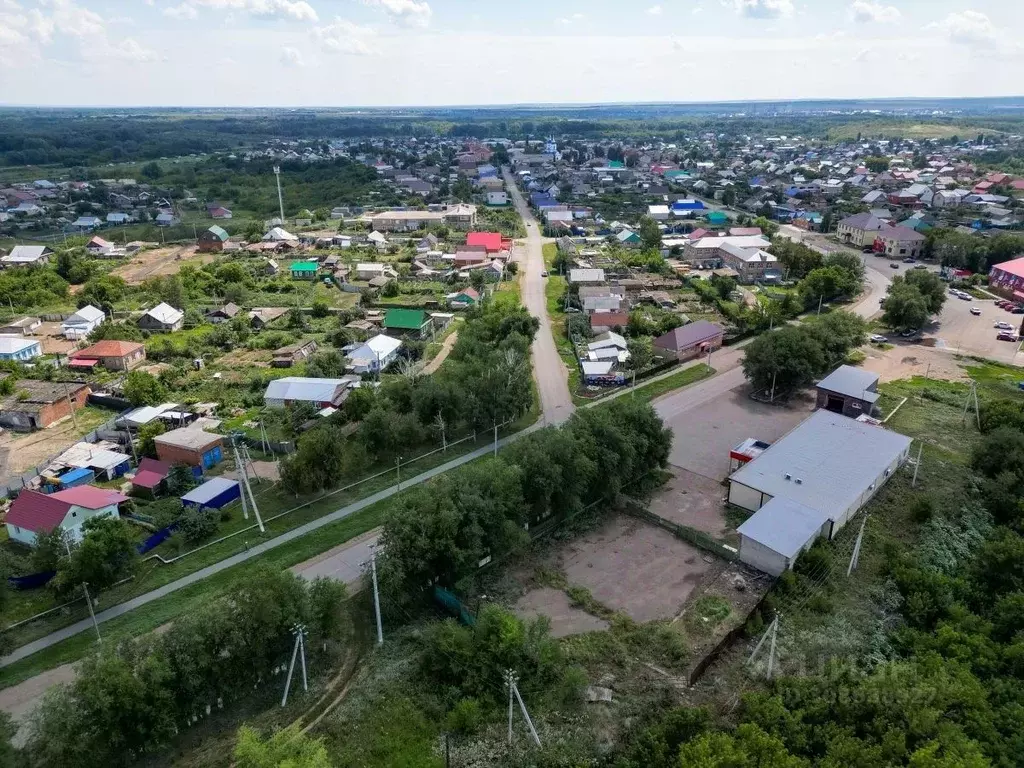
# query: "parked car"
x,y
910,333
920,266
1006,336
975,310
909,260
894,265
877,338
544,273
964,296
1017,310
1003,325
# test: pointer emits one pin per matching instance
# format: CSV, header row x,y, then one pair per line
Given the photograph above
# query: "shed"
x,y
150,476
849,391
81,476
191,446
215,493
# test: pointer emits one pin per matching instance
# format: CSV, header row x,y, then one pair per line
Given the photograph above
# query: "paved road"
x,y
296,533
548,369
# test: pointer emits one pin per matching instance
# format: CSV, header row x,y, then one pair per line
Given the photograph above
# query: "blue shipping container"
x,y
82,476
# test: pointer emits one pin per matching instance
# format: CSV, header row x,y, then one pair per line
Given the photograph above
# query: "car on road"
x,y
911,333
1003,325
1006,336
909,260
544,273
964,296
877,338
975,310
868,249
920,266
894,264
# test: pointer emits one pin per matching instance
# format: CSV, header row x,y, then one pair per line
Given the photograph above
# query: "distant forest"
x,y
80,137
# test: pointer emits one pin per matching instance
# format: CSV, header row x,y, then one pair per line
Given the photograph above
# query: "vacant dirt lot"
x,y
19,701
635,568
160,261
906,360
692,500
704,436
52,339
20,452
555,604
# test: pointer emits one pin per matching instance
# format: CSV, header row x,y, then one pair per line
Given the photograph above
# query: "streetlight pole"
x,y
398,471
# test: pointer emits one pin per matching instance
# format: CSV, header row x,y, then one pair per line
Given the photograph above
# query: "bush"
x,y
465,717
198,523
921,509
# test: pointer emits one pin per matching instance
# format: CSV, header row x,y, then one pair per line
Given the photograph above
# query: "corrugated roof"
x,y
406,319
304,388
37,512
303,266
209,490
151,473
189,437
165,313
835,458
687,335
90,497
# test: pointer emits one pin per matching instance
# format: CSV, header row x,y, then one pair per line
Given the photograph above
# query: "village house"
x,y
27,256
223,314
861,229
375,355
111,354
18,348
902,242
37,404
34,514
162,317
690,341
191,446
82,323
213,240
321,393
286,357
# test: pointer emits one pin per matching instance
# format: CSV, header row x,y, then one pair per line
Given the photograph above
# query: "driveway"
x,y
548,368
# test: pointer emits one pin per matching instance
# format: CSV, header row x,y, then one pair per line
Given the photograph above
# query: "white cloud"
x,y
865,11
697,10
183,11
764,9
571,19
126,49
968,28
408,13
654,10
343,36
294,10
290,57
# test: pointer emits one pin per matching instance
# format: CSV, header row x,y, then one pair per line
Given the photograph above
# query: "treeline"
x,y
131,699
440,532
978,254
485,381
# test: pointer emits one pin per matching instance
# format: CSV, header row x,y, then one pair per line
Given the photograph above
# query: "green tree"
x,y
929,285
105,555
904,307
180,480
287,748
142,388
147,438
649,232
641,353
103,292
151,171
876,164
790,358
198,523
49,549
253,231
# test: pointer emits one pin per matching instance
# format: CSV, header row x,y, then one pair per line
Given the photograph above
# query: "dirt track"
x,y
160,261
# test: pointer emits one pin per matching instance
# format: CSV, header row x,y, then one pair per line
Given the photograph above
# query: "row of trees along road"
x,y
130,700
439,532
485,380
793,356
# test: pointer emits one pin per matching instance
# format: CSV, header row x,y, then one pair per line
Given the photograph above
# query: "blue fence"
x,y
453,605
31,581
156,539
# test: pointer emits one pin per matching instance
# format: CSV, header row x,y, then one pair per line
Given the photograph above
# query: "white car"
x,y
878,339
975,310
1003,325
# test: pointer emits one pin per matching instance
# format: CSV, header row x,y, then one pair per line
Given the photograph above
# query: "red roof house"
x,y
150,474
111,354
490,240
34,513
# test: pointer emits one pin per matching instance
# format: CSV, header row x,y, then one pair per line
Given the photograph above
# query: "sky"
x,y
348,53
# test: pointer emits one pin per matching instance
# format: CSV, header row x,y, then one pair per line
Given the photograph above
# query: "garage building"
x,y
830,465
215,493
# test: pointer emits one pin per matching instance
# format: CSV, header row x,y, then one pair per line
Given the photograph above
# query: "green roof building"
x,y
411,322
304,270
717,217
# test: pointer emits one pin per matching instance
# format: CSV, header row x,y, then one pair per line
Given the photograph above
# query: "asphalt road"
x,y
122,608
548,369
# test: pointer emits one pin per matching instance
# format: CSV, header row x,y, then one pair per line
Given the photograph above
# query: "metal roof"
x,y
11,345
304,388
407,319
209,490
852,382
586,275
165,313
783,525
189,437
830,461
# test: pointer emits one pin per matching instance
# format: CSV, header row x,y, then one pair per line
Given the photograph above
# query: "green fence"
x,y
684,532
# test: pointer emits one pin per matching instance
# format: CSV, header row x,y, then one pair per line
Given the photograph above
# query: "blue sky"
x,y
430,52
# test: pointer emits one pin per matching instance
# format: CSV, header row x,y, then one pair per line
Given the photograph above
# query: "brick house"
x,y
38,404
689,341
191,446
213,239
111,354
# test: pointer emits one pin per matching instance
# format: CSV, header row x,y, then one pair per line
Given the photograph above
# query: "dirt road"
x,y
548,368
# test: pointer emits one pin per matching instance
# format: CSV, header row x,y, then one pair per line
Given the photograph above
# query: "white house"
x,y
167,220
374,355
26,256
82,323
33,513
658,212
83,223
118,218
279,235
497,198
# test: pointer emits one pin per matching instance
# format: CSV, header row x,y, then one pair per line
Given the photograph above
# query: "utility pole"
x,y
972,395
376,593
71,406
299,630
398,471
774,375
820,298
855,557
917,464
441,425
769,634
280,199
511,681
495,438
88,598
